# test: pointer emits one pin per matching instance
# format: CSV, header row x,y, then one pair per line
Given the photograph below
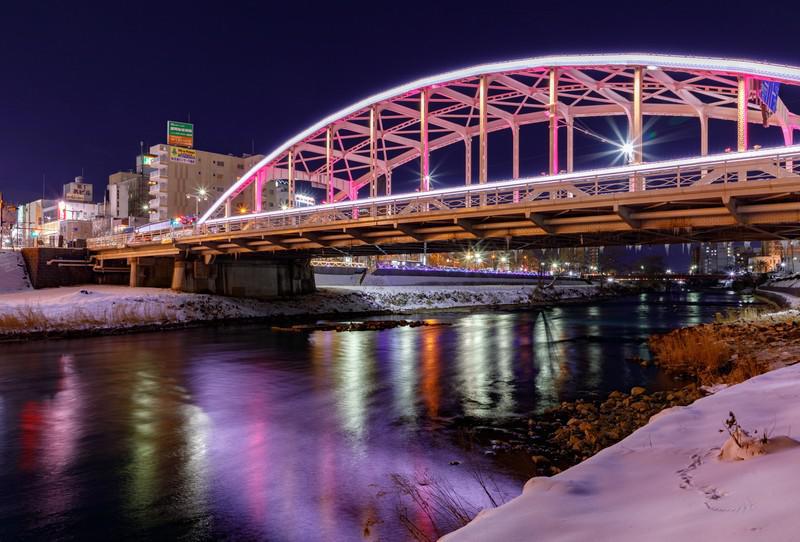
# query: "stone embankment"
x,y
567,434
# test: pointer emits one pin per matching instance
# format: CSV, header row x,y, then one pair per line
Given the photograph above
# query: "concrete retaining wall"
x,y
248,277
46,271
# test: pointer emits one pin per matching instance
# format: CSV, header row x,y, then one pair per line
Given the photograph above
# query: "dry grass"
x,y
740,315
32,318
691,351
706,353
24,318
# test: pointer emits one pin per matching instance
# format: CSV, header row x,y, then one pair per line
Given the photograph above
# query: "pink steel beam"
x,y
553,112
715,80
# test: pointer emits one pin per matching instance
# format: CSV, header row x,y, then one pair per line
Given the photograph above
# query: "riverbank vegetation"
x,y
731,349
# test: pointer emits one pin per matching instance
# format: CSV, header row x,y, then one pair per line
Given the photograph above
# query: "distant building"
x,y
187,181
62,222
716,258
275,196
78,191
127,194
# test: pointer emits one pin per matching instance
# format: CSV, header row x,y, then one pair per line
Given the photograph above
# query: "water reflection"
x,y
243,433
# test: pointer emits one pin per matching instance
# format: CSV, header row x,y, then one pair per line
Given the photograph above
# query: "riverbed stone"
x,y
637,390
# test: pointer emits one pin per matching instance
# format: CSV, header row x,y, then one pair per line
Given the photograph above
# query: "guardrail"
x,y
751,166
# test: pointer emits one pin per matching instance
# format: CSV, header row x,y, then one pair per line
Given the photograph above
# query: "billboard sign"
x,y
769,94
79,192
183,156
180,134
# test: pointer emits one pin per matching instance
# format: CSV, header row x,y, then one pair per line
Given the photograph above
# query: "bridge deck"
x,y
743,196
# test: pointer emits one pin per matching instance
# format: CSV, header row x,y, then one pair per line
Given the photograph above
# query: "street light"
x,y
202,195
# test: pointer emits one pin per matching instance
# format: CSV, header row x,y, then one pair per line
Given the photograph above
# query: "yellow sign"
x,y
184,156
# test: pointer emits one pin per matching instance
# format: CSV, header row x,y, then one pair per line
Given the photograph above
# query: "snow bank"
x,y
108,307
666,481
13,274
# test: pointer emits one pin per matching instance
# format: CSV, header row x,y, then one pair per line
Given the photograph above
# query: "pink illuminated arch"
x,y
361,145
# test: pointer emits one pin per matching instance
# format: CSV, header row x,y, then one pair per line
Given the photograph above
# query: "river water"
x,y
238,432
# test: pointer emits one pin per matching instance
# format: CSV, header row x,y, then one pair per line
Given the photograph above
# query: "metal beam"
x,y
552,111
373,151
635,135
329,164
483,96
468,160
625,214
742,95
540,220
291,167
424,157
469,226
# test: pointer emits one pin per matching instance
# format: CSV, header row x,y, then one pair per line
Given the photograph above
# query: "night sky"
x,y
84,83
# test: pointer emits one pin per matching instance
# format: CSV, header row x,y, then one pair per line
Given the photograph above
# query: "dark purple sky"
x,y
83,83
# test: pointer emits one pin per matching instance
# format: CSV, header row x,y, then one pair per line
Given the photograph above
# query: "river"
x,y
239,432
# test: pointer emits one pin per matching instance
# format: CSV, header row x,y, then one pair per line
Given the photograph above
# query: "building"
x,y
186,181
716,258
78,191
276,196
127,194
62,222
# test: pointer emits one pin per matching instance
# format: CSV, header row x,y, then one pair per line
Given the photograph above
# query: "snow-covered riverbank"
x,y
95,308
666,481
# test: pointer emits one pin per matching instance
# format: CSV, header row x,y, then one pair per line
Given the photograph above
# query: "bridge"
x,y
748,194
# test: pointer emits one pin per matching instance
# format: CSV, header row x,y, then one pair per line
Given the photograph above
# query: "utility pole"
x,y
140,190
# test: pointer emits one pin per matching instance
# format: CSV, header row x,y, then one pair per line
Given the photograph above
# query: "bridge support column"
x,y
291,167
424,157
329,164
468,165
258,191
635,131
570,145
553,113
788,140
468,160
373,152
703,138
742,143
483,143
134,278
179,274
515,156
742,98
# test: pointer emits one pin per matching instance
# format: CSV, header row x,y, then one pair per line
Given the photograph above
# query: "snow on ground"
x,y
665,482
99,307
13,274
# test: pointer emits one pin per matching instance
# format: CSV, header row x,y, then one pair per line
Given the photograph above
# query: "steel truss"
x,y
354,151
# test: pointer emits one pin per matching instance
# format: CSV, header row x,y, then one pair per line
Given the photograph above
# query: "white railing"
x,y
751,166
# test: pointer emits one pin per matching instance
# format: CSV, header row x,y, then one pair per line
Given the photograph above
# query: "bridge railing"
x,y
749,166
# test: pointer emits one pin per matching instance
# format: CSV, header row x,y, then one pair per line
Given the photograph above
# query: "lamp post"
x,y
202,195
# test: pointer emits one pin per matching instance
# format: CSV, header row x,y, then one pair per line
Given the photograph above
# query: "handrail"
x,y
757,165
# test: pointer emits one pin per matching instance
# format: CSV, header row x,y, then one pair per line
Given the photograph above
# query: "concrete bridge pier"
x,y
134,278
179,274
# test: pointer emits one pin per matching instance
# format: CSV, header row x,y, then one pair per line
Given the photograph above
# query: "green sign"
x,y
180,134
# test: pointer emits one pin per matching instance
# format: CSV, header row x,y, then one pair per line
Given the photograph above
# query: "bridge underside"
x,y
764,210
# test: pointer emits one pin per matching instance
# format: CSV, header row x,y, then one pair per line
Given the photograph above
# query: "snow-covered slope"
x,y
666,483
13,275
108,307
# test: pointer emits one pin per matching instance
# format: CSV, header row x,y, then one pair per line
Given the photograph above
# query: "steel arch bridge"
x,y
748,194
354,151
